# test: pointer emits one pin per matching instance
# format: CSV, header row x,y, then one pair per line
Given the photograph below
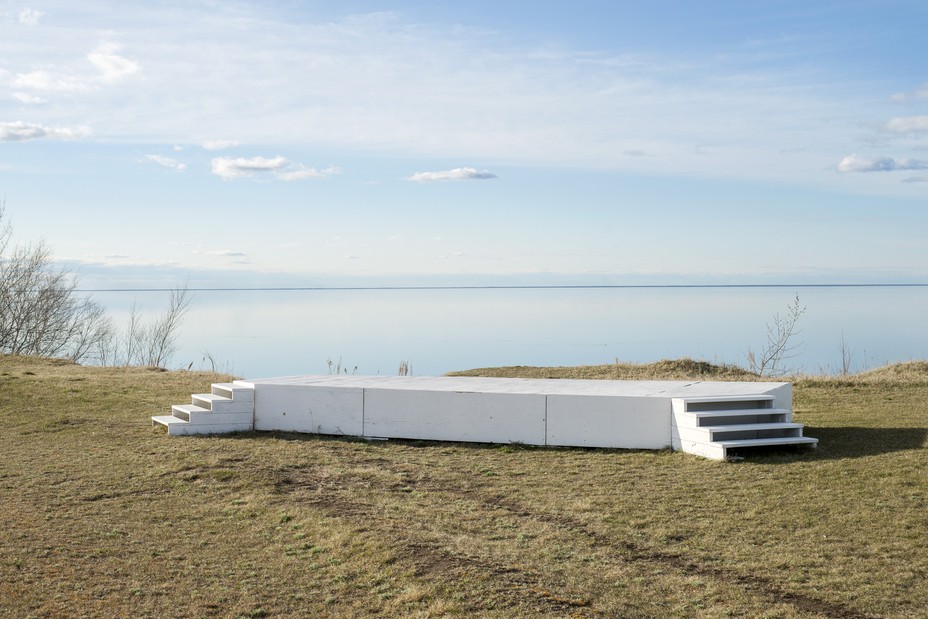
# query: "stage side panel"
x,y
455,416
304,408
609,421
783,398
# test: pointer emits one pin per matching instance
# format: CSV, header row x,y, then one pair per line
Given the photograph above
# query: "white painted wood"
x,y
692,416
183,411
737,412
766,442
604,421
221,404
197,415
318,410
455,416
706,450
179,427
745,431
234,392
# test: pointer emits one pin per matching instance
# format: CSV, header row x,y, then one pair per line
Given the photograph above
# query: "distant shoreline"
x,y
505,287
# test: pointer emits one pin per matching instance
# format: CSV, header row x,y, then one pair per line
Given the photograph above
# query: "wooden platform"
x,y
707,418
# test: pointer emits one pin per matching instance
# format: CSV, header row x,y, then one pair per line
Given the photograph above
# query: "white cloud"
x,y
388,84
908,124
43,80
457,174
113,66
227,253
921,93
28,99
20,131
916,179
219,144
167,162
853,163
30,17
280,167
239,167
301,173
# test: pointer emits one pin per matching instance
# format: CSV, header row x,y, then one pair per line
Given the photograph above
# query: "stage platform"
x,y
705,418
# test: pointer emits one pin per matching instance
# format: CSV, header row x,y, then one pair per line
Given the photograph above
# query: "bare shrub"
x,y
41,312
780,348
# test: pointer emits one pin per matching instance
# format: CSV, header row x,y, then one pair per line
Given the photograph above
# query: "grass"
x,y
105,516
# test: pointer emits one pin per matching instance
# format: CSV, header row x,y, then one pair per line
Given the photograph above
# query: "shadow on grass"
x,y
844,442
834,443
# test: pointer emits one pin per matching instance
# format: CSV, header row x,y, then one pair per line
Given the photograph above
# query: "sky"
x,y
595,141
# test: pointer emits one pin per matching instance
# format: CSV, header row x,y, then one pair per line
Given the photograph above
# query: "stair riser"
x,y
708,422
182,429
223,406
214,418
239,394
702,435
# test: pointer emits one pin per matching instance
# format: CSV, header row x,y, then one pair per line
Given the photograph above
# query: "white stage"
x,y
706,418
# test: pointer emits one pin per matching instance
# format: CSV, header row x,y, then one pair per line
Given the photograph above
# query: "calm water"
x,y
271,333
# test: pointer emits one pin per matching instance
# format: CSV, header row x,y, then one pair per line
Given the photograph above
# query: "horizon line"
x,y
500,287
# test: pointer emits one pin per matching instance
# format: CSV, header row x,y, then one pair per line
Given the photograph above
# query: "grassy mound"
x,y
668,369
908,371
106,516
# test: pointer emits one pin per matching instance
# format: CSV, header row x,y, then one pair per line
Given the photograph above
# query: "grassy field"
x,y
105,516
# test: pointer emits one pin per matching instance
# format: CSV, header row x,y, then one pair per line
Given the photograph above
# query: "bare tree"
x,y
41,312
780,347
160,341
847,357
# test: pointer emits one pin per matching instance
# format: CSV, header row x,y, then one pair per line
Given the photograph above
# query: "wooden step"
x,y
740,412
197,415
221,404
747,427
233,391
179,427
763,442
184,411
728,398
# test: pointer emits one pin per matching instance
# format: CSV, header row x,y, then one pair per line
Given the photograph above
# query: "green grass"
x,y
103,515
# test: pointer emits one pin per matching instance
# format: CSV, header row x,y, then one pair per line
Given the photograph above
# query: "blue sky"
x,y
293,143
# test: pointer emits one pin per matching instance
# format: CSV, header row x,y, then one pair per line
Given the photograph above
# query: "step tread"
x,y
190,408
727,398
211,397
744,427
760,442
741,412
167,419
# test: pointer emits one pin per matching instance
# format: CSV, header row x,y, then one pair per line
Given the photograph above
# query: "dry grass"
x,y
105,516
676,369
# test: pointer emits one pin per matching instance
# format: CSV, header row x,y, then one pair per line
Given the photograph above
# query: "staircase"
x,y
229,407
710,426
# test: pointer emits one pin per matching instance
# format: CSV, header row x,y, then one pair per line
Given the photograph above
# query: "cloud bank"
x,y
30,17
278,167
457,174
854,163
20,131
908,124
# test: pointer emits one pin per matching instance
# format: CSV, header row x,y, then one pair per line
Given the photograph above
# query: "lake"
x,y
263,333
